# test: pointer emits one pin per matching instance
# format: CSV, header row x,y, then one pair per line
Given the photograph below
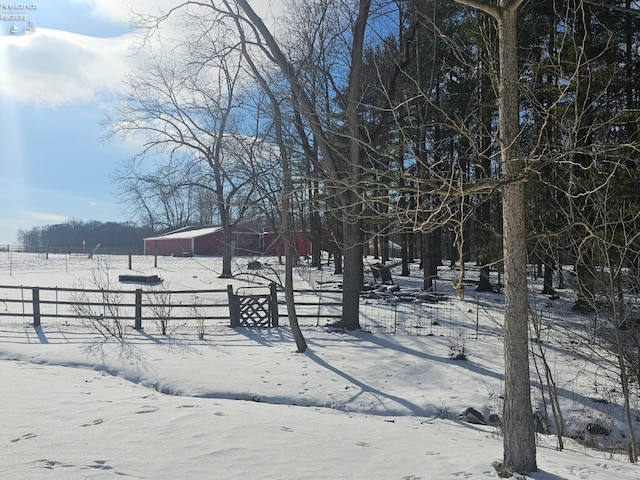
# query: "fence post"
x,y
273,304
233,307
138,314
35,297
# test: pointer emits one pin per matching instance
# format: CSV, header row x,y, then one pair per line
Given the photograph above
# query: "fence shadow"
x,y
41,336
268,337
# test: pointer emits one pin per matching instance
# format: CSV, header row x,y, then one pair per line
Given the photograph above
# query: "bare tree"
x,y
159,196
585,151
344,170
519,433
184,104
286,216
325,93
602,233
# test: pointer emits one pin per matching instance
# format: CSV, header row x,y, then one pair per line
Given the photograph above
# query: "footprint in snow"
x,y
26,436
100,465
95,422
463,474
147,409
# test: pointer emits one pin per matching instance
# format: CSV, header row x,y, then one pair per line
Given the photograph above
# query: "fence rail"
x,y
141,306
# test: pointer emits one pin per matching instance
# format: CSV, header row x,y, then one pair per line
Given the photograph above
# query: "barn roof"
x,y
186,233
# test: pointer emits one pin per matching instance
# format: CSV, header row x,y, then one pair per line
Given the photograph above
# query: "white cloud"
x,y
48,217
121,11
52,67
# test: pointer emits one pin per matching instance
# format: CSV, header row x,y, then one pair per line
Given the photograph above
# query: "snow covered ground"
x,y
241,403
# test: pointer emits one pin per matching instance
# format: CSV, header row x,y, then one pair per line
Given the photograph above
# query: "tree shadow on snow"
x,y
364,388
388,344
542,475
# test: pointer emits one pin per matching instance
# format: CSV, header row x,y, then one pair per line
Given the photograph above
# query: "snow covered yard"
x,y
241,403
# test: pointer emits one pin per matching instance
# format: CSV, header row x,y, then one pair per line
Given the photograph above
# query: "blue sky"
x,y
54,85
57,80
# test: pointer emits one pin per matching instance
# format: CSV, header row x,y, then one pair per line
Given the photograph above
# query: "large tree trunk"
x,y
352,200
519,436
404,245
287,212
519,433
484,209
337,257
518,427
315,223
227,250
484,285
427,256
547,283
290,259
352,276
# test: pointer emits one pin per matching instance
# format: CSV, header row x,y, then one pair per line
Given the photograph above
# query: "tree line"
x,y
78,236
505,131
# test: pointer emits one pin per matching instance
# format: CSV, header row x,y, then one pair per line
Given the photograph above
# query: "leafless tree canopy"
x,y
504,132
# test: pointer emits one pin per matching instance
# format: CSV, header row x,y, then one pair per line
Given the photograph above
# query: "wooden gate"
x,y
253,310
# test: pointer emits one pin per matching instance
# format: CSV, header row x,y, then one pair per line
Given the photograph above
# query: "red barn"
x,y
274,243
207,241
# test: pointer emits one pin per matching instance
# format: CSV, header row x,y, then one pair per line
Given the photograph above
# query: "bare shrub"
x,y
457,348
160,304
102,313
201,326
